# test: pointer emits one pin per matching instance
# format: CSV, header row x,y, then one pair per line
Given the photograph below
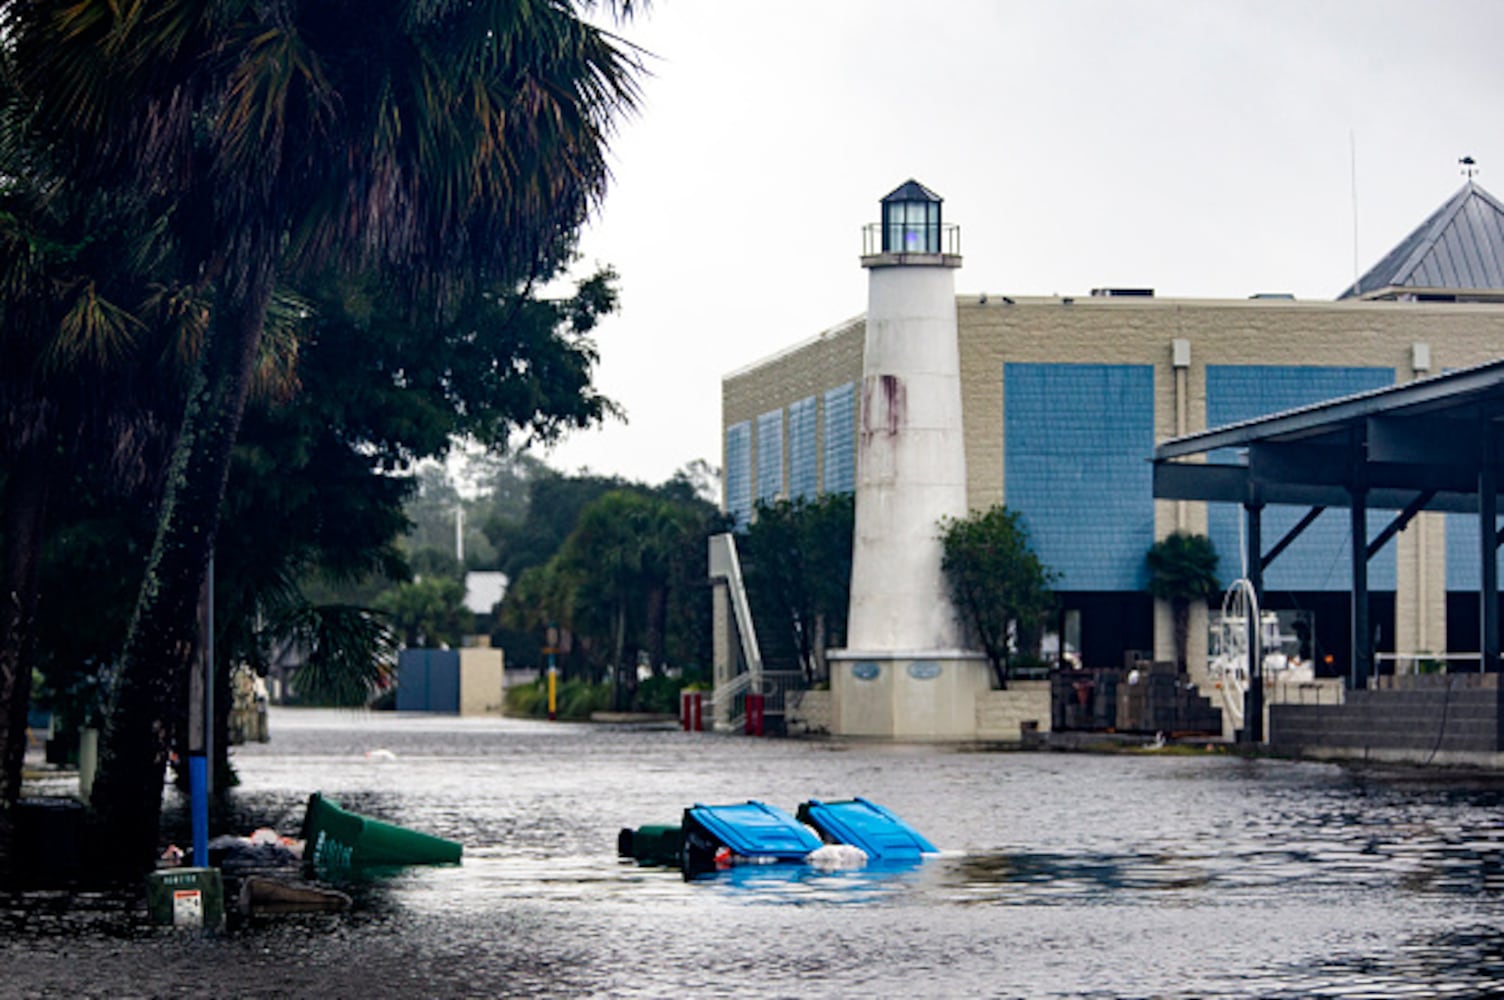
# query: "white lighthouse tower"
x,y
904,672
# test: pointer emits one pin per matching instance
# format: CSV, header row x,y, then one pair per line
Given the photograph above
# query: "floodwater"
x,y
1063,875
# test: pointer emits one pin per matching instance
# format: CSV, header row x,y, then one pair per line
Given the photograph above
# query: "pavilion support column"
x,y
1253,699
1362,635
1488,535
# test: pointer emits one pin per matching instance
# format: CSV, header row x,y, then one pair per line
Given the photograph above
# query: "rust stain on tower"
x,y
896,399
887,413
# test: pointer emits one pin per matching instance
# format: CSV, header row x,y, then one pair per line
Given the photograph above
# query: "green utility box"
x,y
186,897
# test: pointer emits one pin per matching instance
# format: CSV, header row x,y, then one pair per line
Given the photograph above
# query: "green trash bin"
x,y
651,845
186,897
335,838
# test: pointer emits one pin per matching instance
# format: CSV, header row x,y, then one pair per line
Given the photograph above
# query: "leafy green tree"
x,y
306,517
617,558
997,583
472,490
797,556
629,577
435,140
540,598
427,612
695,480
688,625
1182,570
433,509
553,510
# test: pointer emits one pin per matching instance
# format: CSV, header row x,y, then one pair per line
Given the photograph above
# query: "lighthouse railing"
x,y
948,232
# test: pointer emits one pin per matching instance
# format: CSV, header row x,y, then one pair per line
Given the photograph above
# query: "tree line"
x,y
611,572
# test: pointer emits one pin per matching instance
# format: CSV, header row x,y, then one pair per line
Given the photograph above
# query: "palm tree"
x,y
439,141
1182,569
606,556
82,394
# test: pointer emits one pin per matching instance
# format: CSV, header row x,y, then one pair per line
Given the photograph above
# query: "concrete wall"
x,y
1001,715
808,713
916,697
482,681
1428,719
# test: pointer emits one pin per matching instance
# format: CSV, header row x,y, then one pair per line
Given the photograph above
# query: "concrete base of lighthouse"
x,y
907,694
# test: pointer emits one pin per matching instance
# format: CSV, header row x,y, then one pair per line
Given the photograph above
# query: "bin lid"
x,y
865,824
756,829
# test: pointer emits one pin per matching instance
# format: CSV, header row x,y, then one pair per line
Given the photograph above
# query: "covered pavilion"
x,y
1428,445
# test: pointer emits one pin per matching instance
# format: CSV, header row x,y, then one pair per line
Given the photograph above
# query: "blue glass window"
x,y
770,456
802,448
839,439
739,472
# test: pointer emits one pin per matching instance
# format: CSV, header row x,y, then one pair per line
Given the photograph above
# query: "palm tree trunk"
x,y
657,600
619,670
149,697
25,506
1180,613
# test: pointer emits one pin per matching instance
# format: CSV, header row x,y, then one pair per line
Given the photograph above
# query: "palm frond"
x,y
276,377
92,331
350,653
182,311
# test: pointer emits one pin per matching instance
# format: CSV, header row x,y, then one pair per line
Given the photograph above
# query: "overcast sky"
x,y
1200,148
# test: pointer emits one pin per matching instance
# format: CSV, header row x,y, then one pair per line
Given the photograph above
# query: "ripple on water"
x,y
1063,876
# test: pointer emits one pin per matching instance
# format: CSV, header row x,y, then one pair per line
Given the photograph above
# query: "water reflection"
x,y
999,877
802,884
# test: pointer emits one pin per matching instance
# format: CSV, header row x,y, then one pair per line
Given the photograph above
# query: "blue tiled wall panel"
x,y
839,439
739,472
1076,468
1319,559
770,456
1463,560
803,481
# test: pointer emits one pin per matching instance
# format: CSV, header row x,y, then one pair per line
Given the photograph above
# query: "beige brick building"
x,y
1065,397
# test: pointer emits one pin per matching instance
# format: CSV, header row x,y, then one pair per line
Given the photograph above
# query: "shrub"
x,y
527,699
577,699
659,695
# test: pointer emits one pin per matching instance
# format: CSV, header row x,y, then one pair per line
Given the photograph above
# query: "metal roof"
x,y
1418,445
911,190
1460,247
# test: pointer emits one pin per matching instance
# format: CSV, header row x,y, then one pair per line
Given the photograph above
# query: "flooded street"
x,y
1063,875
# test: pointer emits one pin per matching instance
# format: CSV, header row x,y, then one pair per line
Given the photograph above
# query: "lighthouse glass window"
x,y
912,227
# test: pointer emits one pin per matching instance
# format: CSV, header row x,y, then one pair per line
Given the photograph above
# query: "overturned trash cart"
x,y
336,838
865,824
750,832
824,835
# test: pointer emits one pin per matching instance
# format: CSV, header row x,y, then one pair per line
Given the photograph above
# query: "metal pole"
x,y
1253,701
1362,642
553,673
209,674
1488,534
200,728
